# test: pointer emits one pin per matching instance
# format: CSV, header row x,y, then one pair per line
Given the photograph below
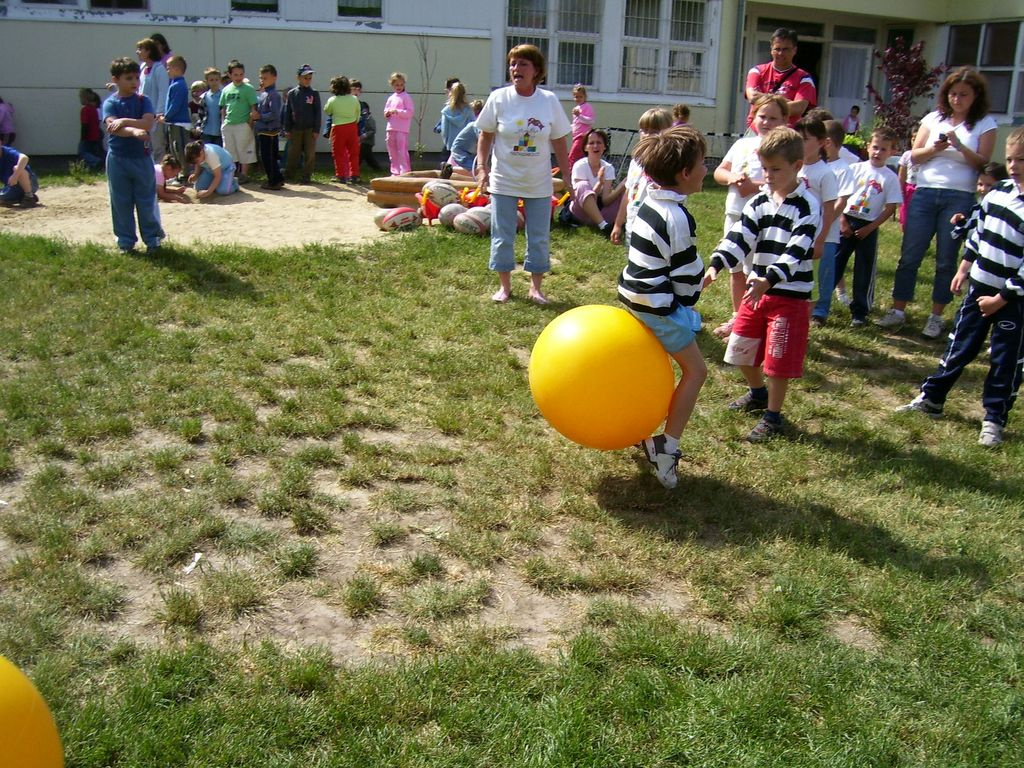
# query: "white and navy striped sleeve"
x,y
741,238
663,269
996,244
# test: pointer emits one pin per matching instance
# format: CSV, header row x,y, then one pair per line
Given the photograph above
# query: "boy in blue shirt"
x,y
176,118
18,180
128,119
663,276
268,127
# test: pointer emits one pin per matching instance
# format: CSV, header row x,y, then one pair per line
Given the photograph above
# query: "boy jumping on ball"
x,y
779,225
663,275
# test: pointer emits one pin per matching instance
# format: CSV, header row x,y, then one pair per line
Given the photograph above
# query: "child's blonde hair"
x,y
655,120
457,96
211,71
579,88
1016,138
477,106
665,155
772,98
781,142
396,76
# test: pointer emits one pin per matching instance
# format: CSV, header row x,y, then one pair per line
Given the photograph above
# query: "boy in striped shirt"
x,y
663,275
769,337
993,271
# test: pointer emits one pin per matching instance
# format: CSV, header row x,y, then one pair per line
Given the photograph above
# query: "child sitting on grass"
x,y
662,278
778,226
993,271
19,182
214,170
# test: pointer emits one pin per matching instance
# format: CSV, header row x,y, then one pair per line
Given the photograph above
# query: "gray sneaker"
x,y
892,320
922,405
991,434
664,463
765,430
933,328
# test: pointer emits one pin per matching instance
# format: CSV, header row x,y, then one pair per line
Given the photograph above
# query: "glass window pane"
x,y
963,45
642,18
854,34
688,21
258,6
528,14
129,5
575,63
1018,106
998,90
362,8
639,68
1000,44
684,71
803,28
579,16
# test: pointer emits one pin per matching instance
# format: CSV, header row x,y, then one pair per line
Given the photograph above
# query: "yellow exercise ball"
x,y
28,735
600,377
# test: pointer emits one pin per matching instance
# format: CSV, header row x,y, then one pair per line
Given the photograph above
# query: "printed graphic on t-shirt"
x,y
861,204
526,144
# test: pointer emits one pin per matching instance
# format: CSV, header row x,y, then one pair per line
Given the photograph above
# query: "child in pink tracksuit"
x,y
398,111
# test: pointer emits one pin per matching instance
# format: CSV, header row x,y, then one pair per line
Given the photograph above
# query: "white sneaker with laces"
x,y
892,320
843,298
664,463
922,405
991,434
933,328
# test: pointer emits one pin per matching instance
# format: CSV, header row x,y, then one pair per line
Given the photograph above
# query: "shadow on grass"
x,y
201,275
717,514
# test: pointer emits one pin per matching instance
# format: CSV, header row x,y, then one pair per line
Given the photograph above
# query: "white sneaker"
x,y
991,434
933,328
892,319
843,298
922,405
664,463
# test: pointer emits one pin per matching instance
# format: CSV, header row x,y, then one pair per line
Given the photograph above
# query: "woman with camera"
x,y
950,147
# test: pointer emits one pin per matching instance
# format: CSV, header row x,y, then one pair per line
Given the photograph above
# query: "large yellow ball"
x,y
28,735
600,377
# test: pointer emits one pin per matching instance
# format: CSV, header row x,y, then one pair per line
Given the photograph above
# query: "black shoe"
x,y
30,202
355,180
748,403
446,171
765,430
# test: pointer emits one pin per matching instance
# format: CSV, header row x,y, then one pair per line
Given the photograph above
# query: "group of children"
x,y
792,211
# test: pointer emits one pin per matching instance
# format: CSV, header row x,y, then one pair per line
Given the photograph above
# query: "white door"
x,y
848,77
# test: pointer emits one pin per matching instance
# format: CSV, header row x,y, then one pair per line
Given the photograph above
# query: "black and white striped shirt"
x,y
781,237
995,246
664,269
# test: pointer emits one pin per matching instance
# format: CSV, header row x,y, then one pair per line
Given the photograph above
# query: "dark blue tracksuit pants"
x,y
863,267
965,341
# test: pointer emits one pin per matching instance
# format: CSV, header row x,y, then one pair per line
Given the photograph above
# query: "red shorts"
x,y
774,334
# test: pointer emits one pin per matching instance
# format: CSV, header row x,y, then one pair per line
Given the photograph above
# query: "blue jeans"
x,y
537,211
826,280
227,183
929,214
16,194
132,186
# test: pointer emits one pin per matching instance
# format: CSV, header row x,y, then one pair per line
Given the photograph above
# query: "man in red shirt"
x,y
781,76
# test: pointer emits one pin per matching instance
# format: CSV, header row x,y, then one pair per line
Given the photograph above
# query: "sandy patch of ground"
x,y
303,213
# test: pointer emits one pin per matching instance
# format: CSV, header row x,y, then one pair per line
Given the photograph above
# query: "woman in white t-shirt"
x,y
950,147
596,198
523,125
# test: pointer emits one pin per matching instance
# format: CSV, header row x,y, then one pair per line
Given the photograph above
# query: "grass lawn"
x,y
401,564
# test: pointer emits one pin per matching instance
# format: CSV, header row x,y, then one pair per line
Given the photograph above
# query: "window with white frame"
x,y
124,5
665,46
568,33
996,49
254,6
363,9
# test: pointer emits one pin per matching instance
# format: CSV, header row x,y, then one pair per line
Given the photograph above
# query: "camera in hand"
x,y
942,137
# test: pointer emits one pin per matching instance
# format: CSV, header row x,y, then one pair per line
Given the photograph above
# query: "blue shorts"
x,y
676,331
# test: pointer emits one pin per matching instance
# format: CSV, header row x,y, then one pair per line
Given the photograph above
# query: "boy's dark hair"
x,y
150,47
235,64
785,33
355,83
177,60
90,96
665,155
855,106
996,170
681,112
820,113
268,69
836,132
123,66
170,160
193,150
211,71
655,120
340,86
883,133
781,142
811,126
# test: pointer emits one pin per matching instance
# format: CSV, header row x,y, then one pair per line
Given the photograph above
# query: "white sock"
x,y
671,444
